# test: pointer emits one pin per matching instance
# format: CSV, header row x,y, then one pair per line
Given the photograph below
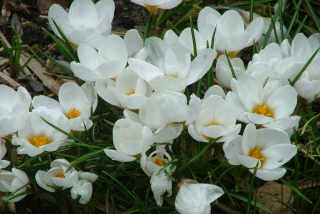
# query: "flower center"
x,y
40,141
160,161
73,113
131,92
256,154
60,175
263,110
213,124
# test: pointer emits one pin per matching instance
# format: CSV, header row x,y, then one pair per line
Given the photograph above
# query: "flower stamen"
x,y
160,161
131,92
263,110
73,113
257,155
60,175
39,141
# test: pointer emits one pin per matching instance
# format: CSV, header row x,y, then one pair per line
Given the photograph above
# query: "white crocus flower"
x,y
308,85
211,118
170,68
154,5
14,105
130,139
231,35
36,136
268,149
195,198
223,70
163,109
14,181
84,20
74,102
84,187
160,181
107,62
128,91
3,151
57,176
272,62
253,105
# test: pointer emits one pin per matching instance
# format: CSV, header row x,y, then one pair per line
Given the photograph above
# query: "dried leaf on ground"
x,y
276,197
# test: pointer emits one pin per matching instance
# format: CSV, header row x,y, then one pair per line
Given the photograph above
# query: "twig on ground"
x,y
9,80
37,68
3,62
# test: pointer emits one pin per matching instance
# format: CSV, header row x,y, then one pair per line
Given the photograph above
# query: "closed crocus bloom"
x,y
3,151
160,181
130,139
195,198
170,67
164,108
128,91
268,149
231,35
84,20
74,103
271,62
107,62
57,176
308,85
153,5
14,106
223,70
12,181
83,187
36,136
253,105
211,118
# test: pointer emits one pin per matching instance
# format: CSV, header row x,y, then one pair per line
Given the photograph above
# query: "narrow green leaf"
x,y
314,15
230,65
296,191
84,158
245,199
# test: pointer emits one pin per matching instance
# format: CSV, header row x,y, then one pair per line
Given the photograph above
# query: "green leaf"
x,y
245,199
296,191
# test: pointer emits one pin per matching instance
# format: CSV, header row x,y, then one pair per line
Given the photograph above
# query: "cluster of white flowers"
x,y
148,78
31,132
60,177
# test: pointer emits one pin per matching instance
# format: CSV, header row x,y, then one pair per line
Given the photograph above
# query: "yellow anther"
x,y
263,110
160,161
257,155
60,175
39,141
73,113
213,124
131,92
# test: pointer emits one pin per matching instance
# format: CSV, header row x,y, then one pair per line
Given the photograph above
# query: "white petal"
x,y
277,155
270,174
283,101
114,155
